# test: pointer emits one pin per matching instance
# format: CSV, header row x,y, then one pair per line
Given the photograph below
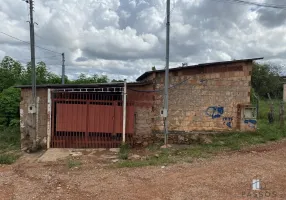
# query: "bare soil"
x,y
225,176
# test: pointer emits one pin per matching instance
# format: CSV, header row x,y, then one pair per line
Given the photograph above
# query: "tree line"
x,y
13,73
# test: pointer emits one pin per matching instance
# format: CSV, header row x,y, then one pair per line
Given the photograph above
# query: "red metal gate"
x,y
89,120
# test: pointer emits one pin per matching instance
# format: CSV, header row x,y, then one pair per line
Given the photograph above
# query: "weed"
x,y
8,158
9,142
10,138
73,163
124,151
154,147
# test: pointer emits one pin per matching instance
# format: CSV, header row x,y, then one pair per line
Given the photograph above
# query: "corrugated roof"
x,y
140,78
113,84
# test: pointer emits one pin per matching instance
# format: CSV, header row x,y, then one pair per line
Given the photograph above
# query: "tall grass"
x,y
9,144
10,138
264,108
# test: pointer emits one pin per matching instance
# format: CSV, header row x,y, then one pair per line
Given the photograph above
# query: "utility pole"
x,y
63,68
33,107
32,42
165,110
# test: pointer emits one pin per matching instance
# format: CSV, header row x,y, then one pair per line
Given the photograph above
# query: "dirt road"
x,y
225,177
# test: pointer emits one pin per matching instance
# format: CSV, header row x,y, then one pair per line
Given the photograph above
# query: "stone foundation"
x,y
175,138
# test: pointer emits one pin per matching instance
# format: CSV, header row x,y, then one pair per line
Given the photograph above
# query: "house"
x,y
209,97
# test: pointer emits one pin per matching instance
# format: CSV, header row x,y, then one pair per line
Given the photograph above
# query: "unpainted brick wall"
x,y
28,140
194,105
143,102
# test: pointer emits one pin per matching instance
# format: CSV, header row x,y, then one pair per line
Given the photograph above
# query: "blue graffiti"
x,y
215,111
227,121
251,121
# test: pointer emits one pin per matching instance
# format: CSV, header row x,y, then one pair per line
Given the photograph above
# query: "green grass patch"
x,y
9,138
264,108
162,158
124,151
8,158
154,146
73,163
9,144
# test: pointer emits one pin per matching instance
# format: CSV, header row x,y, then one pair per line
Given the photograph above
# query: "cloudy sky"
x,y
124,38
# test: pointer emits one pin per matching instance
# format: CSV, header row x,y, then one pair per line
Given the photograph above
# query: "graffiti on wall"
x,y
227,121
251,123
215,111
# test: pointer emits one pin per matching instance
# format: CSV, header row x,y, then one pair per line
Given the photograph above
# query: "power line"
x,y
266,5
41,58
39,36
49,57
29,43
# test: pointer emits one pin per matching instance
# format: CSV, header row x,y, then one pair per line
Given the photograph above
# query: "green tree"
x,y
9,105
265,79
43,76
83,79
116,81
13,73
10,73
153,68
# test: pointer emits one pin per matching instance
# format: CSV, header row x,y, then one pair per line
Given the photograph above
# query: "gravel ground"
x,y
227,176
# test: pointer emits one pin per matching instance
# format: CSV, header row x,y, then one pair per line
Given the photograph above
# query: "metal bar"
x,y
53,121
87,121
49,117
124,112
84,90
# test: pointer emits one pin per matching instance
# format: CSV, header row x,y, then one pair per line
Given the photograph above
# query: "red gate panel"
x,y
101,118
71,117
130,112
89,120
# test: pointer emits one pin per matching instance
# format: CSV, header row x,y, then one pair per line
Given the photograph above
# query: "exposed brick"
x,y
25,118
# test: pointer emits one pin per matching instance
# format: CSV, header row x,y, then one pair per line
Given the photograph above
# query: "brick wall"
x,y
143,102
207,100
29,140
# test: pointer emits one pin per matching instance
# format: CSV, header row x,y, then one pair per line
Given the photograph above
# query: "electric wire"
x,y
265,5
29,43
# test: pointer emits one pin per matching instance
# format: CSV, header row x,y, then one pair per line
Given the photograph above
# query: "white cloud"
x,y
124,38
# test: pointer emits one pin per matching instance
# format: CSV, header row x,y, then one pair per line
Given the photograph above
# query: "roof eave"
x,y
140,78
